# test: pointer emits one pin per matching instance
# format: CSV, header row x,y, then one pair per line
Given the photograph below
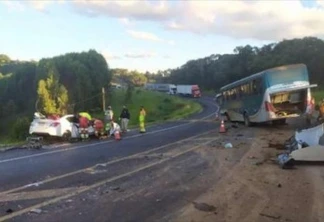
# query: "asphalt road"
x,y
62,167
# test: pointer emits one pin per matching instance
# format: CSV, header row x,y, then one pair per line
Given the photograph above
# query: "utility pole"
x,y
103,99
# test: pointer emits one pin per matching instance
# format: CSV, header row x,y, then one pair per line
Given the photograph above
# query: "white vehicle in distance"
x,y
62,127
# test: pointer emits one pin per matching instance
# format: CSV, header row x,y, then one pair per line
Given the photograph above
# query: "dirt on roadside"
x,y
257,189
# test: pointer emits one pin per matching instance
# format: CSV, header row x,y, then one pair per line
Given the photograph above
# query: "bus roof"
x,y
254,76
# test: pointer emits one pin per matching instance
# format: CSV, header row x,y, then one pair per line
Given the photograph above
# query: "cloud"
x,y
108,56
144,36
148,36
142,10
125,21
139,55
262,20
38,5
13,5
320,3
166,57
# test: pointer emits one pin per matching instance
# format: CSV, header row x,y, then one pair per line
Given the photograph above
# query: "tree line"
x,y
53,85
216,70
63,84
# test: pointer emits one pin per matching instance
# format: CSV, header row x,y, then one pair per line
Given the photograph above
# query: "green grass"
x,y
159,107
318,95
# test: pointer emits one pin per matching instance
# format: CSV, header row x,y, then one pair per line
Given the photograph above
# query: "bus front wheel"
x,y
228,119
246,120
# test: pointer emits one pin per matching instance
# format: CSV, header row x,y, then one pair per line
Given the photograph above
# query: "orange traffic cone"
x,y
222,127
117,135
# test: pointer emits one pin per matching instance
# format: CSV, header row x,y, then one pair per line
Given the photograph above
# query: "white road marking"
x,y
96,185
99,143
105,164
39,194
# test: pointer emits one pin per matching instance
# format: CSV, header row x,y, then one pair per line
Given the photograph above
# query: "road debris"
x,y
303,146
115,188
278,146
228,146
9,211
270,216
36,211
204,207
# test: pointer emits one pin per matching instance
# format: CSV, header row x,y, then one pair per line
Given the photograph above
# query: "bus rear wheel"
x,y
246,120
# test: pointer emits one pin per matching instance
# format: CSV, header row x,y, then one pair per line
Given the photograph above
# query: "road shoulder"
x,y
256,189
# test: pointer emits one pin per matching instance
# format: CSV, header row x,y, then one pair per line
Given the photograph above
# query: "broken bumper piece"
x,y
306,145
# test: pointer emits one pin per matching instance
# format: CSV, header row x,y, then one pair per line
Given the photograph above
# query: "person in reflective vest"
x,y
142,116
86,115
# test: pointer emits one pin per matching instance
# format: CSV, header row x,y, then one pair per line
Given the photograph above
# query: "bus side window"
x,y
242,91
248,88
254,87
234,94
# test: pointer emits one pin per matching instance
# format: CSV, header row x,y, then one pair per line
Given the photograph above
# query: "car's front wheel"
x,y
67,136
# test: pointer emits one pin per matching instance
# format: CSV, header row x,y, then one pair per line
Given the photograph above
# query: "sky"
x,y
151,35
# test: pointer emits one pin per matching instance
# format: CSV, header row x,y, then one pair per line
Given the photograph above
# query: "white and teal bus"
x,y
271,95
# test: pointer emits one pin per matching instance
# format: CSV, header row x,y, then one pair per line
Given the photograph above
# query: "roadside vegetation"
x,y
73,82
318,95
159,106
217,70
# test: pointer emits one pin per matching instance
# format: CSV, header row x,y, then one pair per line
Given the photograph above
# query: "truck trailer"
x,y
189,91
166,88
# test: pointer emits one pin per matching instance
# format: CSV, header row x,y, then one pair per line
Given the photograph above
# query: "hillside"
x,y
65,83
72,83
217,70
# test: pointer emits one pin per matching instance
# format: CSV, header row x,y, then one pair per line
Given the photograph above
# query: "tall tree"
x,y
53,96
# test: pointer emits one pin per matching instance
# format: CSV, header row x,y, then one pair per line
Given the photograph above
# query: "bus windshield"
x,y
287,76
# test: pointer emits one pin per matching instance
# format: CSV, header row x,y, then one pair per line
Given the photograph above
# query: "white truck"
x,y
166,88
189,90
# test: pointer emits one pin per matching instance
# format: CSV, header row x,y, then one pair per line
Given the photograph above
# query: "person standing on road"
x,y
309,112
109,115
142,116
124,116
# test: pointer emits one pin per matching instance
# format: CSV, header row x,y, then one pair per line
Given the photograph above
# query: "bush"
x,y
167,100
20,128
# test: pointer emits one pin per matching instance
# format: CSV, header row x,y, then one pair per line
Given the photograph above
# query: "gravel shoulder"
x,y
256,189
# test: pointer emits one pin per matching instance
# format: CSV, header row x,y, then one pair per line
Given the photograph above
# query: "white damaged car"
x,y
62,127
